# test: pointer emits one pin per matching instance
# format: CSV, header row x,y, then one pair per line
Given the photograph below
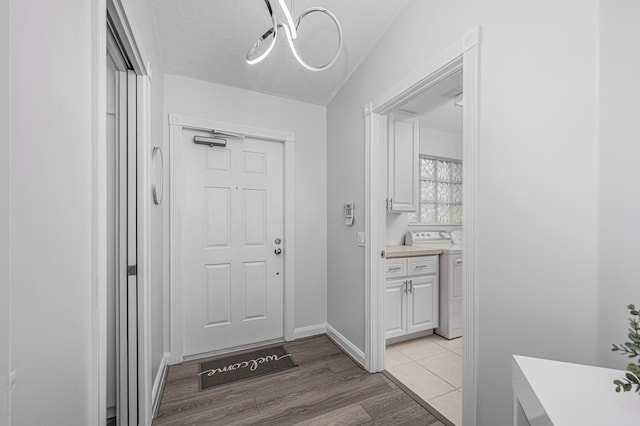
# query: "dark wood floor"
x,y
326,388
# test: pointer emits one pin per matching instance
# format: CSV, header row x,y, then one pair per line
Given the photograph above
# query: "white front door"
x,y
232,231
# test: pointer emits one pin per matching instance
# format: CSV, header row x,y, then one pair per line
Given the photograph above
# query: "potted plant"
x,y
632,350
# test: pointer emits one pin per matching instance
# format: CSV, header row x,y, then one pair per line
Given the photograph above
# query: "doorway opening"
x,y
383,194
422,294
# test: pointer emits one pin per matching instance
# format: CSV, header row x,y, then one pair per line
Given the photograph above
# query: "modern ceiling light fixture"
x,y
291,33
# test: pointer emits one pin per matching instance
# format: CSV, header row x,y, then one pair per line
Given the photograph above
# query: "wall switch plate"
x,y
361,239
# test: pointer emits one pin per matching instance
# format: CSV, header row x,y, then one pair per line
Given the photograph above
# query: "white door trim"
x,y
118,16
463,55
98,379
176,124
145,385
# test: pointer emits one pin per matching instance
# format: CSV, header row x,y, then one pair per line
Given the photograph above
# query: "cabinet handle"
x,y
404,286
395,268
458,261
411,286
420,266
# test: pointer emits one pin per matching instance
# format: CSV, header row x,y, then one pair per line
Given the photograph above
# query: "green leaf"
x,y
627,387
631,378
634,368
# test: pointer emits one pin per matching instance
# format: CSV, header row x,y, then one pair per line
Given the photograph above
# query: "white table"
x,y
563,394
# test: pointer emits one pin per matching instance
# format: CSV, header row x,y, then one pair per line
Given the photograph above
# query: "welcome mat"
x,y
244,366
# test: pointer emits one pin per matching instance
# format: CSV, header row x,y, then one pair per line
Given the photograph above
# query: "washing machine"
x,y
450,243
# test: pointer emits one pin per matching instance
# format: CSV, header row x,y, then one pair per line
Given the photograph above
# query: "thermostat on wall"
x,y
348,214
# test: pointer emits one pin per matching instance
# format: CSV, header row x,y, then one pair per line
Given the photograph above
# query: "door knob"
x,y
278,251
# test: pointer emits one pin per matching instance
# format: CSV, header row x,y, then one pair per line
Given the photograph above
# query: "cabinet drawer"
x,y
396,267
422,265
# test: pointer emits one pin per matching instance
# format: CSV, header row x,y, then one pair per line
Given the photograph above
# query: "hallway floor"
x,y
431,367
326,388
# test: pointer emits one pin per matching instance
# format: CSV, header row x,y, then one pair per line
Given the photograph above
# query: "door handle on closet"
x,y
278,251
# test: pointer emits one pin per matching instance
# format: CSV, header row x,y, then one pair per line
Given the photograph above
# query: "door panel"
x,y
423,304
395,305
217,216
402,157
254,217
255,290
218,294
232,213
131,184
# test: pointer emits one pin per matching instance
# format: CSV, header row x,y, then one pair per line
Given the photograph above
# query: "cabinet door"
x,y
395,308
422,300
404,149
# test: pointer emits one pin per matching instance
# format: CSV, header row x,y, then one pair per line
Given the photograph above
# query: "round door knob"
x,y
278,250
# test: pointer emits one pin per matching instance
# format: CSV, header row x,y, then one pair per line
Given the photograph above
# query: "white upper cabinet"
x,y
404,150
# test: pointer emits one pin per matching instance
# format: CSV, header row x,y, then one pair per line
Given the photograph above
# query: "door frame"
x,y
101,10
461,56
176,125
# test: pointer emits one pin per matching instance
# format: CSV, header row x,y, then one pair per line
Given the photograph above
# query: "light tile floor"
x,y
432,368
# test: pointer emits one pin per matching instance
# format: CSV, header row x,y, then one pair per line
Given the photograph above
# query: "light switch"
x,y
361,239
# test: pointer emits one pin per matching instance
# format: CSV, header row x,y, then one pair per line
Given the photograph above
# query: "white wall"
x,y
51,205
538,178
51,211
194,98
5,170
619,174
440,144
436,143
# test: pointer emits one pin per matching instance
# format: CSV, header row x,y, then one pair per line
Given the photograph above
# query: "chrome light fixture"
x,y
290,29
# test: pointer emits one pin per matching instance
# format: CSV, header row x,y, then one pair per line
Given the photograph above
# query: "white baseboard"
x,y
312,330
346,345
158,384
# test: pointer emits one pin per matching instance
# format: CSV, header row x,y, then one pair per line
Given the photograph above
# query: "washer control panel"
x,y
426,237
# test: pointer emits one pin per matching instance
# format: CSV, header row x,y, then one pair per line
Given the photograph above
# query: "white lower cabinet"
x,y
411,301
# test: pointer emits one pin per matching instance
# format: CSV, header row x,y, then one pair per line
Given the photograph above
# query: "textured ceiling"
x,y
208,40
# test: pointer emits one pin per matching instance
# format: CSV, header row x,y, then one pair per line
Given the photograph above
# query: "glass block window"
x,y
440,192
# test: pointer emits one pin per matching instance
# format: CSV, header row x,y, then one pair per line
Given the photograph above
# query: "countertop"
x,y
394,252
564,394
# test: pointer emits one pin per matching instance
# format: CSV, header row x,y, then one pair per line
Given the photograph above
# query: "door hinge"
x,y
132,270
383,254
